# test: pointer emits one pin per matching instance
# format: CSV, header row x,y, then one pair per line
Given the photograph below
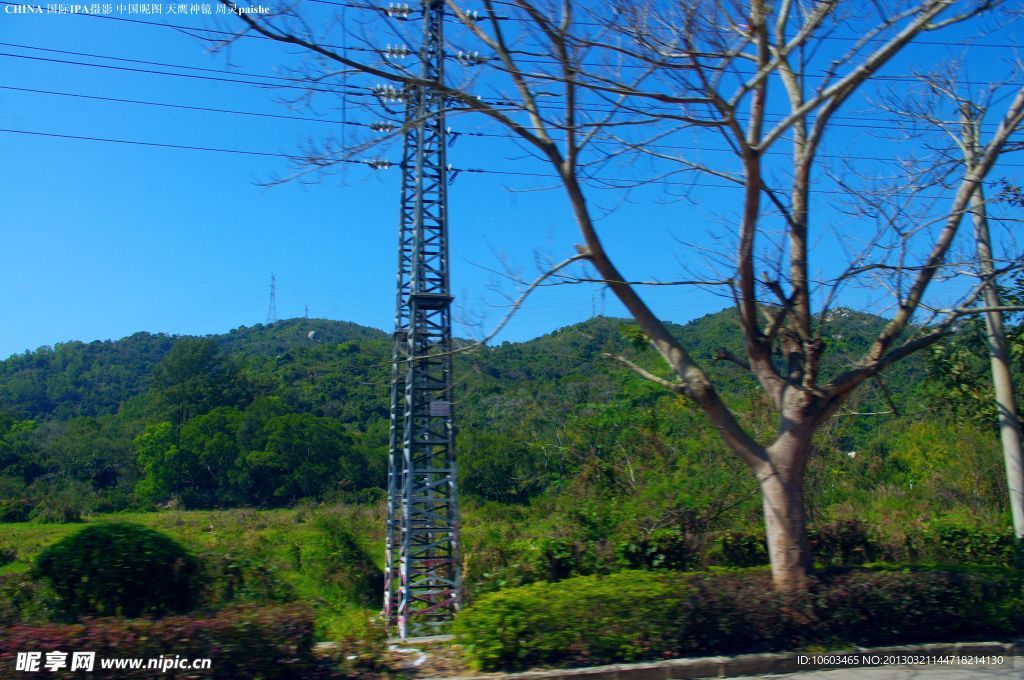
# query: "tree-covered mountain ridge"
x,y
97,378
270,414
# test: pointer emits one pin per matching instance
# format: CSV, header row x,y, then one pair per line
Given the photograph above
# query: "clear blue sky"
x,y
101,240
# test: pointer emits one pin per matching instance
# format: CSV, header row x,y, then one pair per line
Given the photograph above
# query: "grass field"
x,y
257,555
331,556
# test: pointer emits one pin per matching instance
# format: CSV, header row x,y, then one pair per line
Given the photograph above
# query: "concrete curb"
x,y
754,664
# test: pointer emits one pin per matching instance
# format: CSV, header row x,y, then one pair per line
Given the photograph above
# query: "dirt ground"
x,y
412,659
425,660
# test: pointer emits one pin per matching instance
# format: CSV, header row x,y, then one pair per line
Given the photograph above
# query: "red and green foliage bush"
x,y
884,607
271,643
634,615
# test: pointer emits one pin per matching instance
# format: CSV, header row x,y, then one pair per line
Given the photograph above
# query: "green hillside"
x,y
270,414
264,449
79,379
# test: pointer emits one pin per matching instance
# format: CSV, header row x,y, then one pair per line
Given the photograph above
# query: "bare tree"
x,y
582,85
942,108
945,108
1002,379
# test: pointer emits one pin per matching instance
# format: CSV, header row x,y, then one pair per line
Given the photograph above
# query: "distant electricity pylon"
x,y
423,571
272,307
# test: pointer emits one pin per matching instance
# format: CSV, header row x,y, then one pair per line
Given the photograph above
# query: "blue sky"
x,y
101,240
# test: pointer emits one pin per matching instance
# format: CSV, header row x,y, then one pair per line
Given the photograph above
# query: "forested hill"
x,y
79,379
93,379
269,414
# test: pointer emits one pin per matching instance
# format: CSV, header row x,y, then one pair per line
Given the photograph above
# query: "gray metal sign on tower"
x,y
423,579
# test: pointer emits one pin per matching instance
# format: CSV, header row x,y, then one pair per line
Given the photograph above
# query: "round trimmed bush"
x,y
120,569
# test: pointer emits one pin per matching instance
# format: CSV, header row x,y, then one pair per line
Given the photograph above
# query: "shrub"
x,y
236,577
122,569
343,562
360,653
561,557
23,600
14,510
739,611
61,502
873,607
834,544
244,642
588,619
635,615
740,549
842,543
662,549
958,544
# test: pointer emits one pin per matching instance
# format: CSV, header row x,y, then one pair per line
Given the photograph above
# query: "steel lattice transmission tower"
x,y
272,307
423,571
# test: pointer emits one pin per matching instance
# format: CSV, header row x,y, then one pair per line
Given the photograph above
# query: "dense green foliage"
x,y
570,465
960,368
120,569
79,379
262,416
267,415
633,615
625,616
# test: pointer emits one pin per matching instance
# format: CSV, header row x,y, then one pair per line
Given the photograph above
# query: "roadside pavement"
x,y
1013,668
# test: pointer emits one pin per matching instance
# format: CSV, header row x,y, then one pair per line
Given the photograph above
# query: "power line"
x,y
234,35
148,63
378,164
384,10
192,76
162,145
355,91
330,121
479,16
186,107
605,25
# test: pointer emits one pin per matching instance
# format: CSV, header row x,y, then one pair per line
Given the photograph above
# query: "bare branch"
x,y
674,386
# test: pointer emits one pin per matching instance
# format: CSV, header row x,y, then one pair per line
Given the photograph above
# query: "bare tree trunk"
x,y
782,490
1006,407
1009,423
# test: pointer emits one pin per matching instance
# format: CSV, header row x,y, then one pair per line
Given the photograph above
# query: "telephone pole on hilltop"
x,y
423,571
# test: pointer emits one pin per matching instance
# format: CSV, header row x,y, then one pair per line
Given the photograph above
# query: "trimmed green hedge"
x,y
848,543
634,615
623,616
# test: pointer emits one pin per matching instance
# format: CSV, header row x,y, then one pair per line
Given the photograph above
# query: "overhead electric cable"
x,y
357,91
247,35
188,107
147,62
381,164
312,88
493,135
